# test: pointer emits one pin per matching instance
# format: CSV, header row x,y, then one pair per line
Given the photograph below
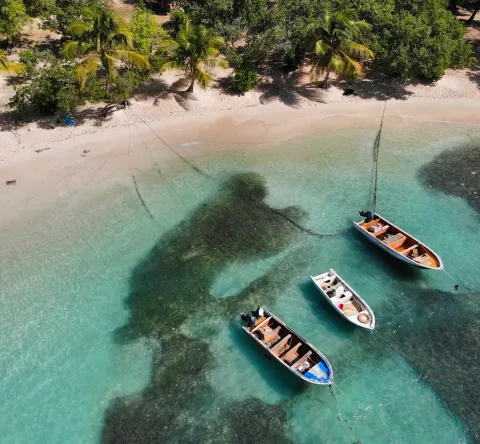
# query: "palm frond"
x,y
336,64
352,69
352,48
316,71
7,66
168,65
203,77
215,62
215,41
88,66
132,57
77,28
74,49
108,63
322,47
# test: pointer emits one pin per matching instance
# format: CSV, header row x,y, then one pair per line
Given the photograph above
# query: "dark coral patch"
x,y
456,172
438,333
170,285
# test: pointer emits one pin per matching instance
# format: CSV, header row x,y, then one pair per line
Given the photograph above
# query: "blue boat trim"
x,y
315,376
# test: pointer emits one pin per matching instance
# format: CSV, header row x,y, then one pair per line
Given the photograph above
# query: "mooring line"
x,y
352,404
376,149
141,198
159,171
340,420
254,201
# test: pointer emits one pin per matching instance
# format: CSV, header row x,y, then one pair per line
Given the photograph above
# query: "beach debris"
x,y
40,150
86,151
68,120
473,173
11,182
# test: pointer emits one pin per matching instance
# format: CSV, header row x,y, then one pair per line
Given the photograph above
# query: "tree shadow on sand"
x,y
378,86
474,72
161,91
291,89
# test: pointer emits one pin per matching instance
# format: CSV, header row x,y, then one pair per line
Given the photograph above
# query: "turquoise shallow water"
x,y
117,327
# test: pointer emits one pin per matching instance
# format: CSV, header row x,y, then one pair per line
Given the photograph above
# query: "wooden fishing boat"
x,y
288,347
344,299
397,242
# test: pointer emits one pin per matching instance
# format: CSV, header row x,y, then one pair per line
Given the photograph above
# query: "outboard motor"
x,y
368,215
256,313
249,319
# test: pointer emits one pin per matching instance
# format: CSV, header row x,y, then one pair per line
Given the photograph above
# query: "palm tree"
x,y
194,49
103,39
336,48
7,66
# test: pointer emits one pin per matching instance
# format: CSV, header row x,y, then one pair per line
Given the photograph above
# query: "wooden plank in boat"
x,y
280,344
272,335
291,354
261,323
306,355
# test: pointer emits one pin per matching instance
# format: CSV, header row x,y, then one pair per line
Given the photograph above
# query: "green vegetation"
x,y
13,17
46,83
145,30
194,49
103,40
245,79
336,49
418,39
105,58
7,66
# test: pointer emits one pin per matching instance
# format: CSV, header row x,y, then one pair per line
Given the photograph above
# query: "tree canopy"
x,y
13,17
337,48
108,57
103,39
193,50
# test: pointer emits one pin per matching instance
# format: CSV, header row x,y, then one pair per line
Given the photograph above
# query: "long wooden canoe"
x,y
398,243
344,299
288,347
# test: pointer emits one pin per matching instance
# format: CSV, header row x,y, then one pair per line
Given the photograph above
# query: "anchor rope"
x,y
340,420
253,201
352,404
376,150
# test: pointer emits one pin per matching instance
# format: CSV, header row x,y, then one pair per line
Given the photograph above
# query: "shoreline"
x,y
115,152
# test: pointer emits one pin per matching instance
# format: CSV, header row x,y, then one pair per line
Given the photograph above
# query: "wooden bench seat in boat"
x,y
367,225
281,346
395,241
292,354
270,337
382,231
424,259
261,324
301,360
407,251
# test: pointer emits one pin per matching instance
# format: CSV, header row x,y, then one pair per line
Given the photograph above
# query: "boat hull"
x,y
324,360
338,310
394,253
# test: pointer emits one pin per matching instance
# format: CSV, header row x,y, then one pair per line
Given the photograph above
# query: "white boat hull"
x,y
394,253
355,321
329,378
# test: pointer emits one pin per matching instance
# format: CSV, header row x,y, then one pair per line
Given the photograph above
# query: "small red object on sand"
x,y
340,306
